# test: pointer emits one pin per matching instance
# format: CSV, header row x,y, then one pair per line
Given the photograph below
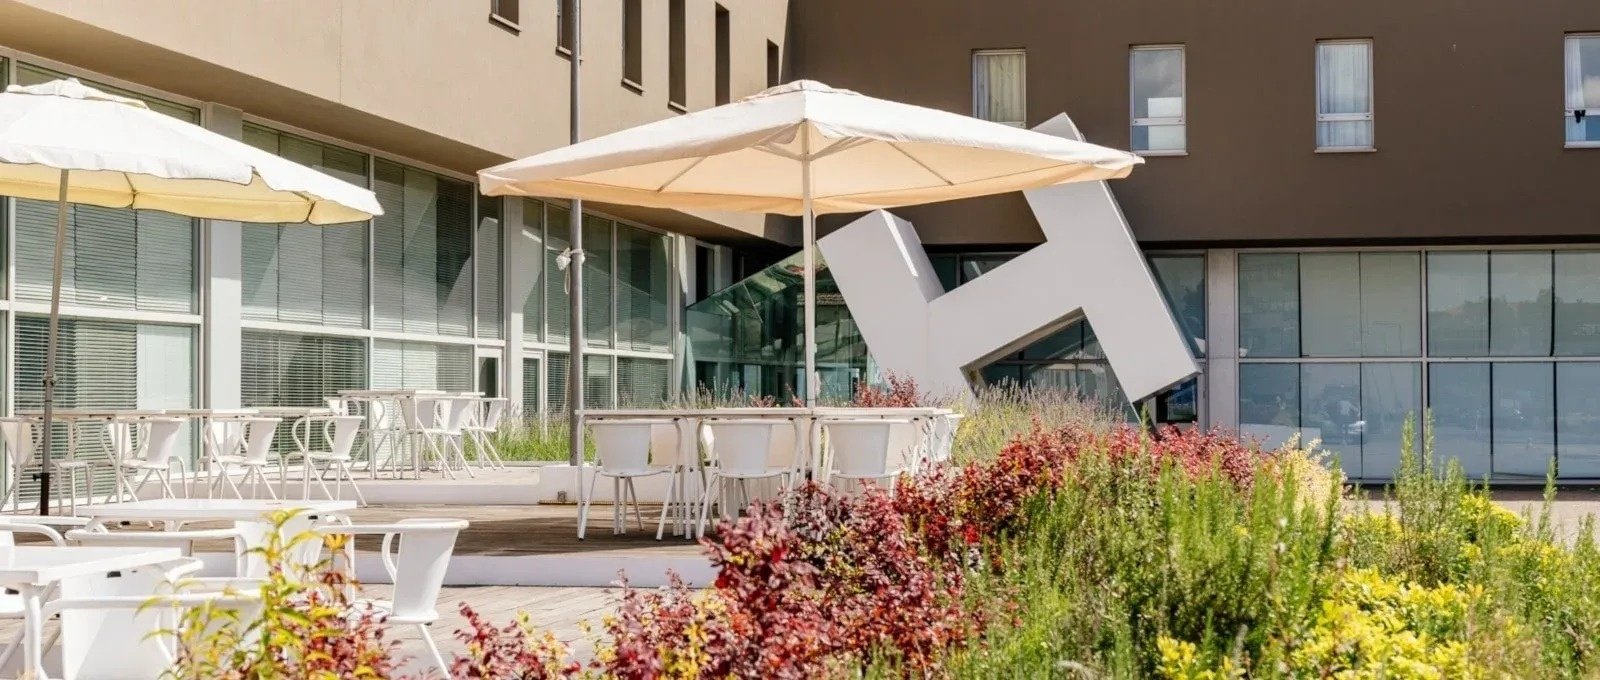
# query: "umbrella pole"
x,y
50,349
808,237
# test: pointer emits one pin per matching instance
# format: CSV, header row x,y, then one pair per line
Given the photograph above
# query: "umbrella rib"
x,y
918,161
680,175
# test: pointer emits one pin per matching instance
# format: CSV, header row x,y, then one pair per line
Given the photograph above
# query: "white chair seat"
x,y
628,474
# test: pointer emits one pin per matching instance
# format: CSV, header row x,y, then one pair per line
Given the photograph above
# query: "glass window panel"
x,y
533,244
597,283
1183,283
1330,304
487,261
947,267
644,280
1344,94
557,374
973,266
1390,393
1520,306
423,252
1578,420
1269,305
1067,343
1524,419
421,366
1582,87
1269,402
643,383
1391,304
1458,304
1180,404
530,387
999,86
1577,303
287,369
1156,76
557,310
597,372
1330,411
1459,400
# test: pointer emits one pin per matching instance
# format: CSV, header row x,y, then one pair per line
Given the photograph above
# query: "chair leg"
x,y
705,504
585,501
433,650
672,496
618,503
345,468
638,516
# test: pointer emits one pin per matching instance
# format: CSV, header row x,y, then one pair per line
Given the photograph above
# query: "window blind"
x,y
530,386
555,383
644,280
557,311
304,274
597,377
533,234
421,366
290,369
422,252
489,266
642,383
597,284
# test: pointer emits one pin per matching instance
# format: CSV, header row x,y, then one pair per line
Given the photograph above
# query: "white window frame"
x,y
983,53
1567,112
1180,119
1372,99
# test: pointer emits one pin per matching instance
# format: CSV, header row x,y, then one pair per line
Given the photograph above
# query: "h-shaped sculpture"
x,y
1089,265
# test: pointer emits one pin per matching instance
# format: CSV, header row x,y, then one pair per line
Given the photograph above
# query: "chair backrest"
x,y
223,437
340,433
458,412
17,434
864,446
338,405
944,436
258,436
10,526
418,567
494,412
419,412
118,439
161,437
743,446
623,445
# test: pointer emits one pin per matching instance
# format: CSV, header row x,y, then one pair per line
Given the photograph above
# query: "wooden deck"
x,y
539,530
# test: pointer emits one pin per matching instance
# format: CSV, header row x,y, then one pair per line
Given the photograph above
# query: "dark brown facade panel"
x,y
1467,108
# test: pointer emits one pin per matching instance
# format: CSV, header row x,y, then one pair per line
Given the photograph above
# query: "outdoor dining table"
x,y
31,570
251,516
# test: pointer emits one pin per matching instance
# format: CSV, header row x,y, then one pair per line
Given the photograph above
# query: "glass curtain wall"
x,y
1500,345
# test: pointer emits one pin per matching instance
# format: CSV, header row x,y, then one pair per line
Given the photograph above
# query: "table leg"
x,y
32,632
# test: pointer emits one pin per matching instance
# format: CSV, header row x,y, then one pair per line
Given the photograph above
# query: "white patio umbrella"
x,y
71,143
806,149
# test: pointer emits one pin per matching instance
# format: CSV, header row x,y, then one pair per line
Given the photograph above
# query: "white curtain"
x,y
1344,94
1583,89
997,87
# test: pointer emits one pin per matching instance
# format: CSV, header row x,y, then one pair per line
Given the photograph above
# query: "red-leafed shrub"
x,y
901,392
512,651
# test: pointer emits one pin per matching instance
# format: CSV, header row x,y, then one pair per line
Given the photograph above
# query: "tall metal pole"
x,y
50,352
808,239
575,267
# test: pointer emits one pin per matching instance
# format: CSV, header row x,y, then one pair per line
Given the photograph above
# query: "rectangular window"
x,y
677,55
1578,400
1156,82
566,21
421,366
506,12
557,306
1269,305
597,284
1519,303
1523,418
1344,95
1583,90
299,274
999,86
642,383
774,64
533,245
724,56
288,369
422,246
644,282
1182,279
1458,304
487,262
633,42
1577,303
557,372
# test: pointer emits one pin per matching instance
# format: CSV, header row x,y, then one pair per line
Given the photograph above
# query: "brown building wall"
x,y
1468,95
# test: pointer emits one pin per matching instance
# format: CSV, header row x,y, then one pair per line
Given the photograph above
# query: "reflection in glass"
x,y
1269,402
1577,302
1269,309
1179,404
1578,421
1182,279
1330,411
1524,419
1391,304
1519,311
1330,304
1458,304
1458,397
1390,393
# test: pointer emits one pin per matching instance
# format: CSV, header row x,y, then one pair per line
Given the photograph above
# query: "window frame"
x,y
509,22
563,23
1152,121
1566,110
633,45
1372,100
976,54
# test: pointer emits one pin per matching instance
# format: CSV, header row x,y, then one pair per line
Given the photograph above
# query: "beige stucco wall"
x,y
432,80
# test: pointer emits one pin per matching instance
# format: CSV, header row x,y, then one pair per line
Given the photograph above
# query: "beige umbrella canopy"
x,y
67,142
806,149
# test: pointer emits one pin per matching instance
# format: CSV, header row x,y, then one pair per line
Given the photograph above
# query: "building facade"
x,y
448,289
1358,213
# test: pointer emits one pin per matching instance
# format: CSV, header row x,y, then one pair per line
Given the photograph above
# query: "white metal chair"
x,y
106,632
339,436
11,603
623,447
245,443
458,412
421,429
22,438
482,430
417,571
741,450
155,448
385,434
862,449
942,440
